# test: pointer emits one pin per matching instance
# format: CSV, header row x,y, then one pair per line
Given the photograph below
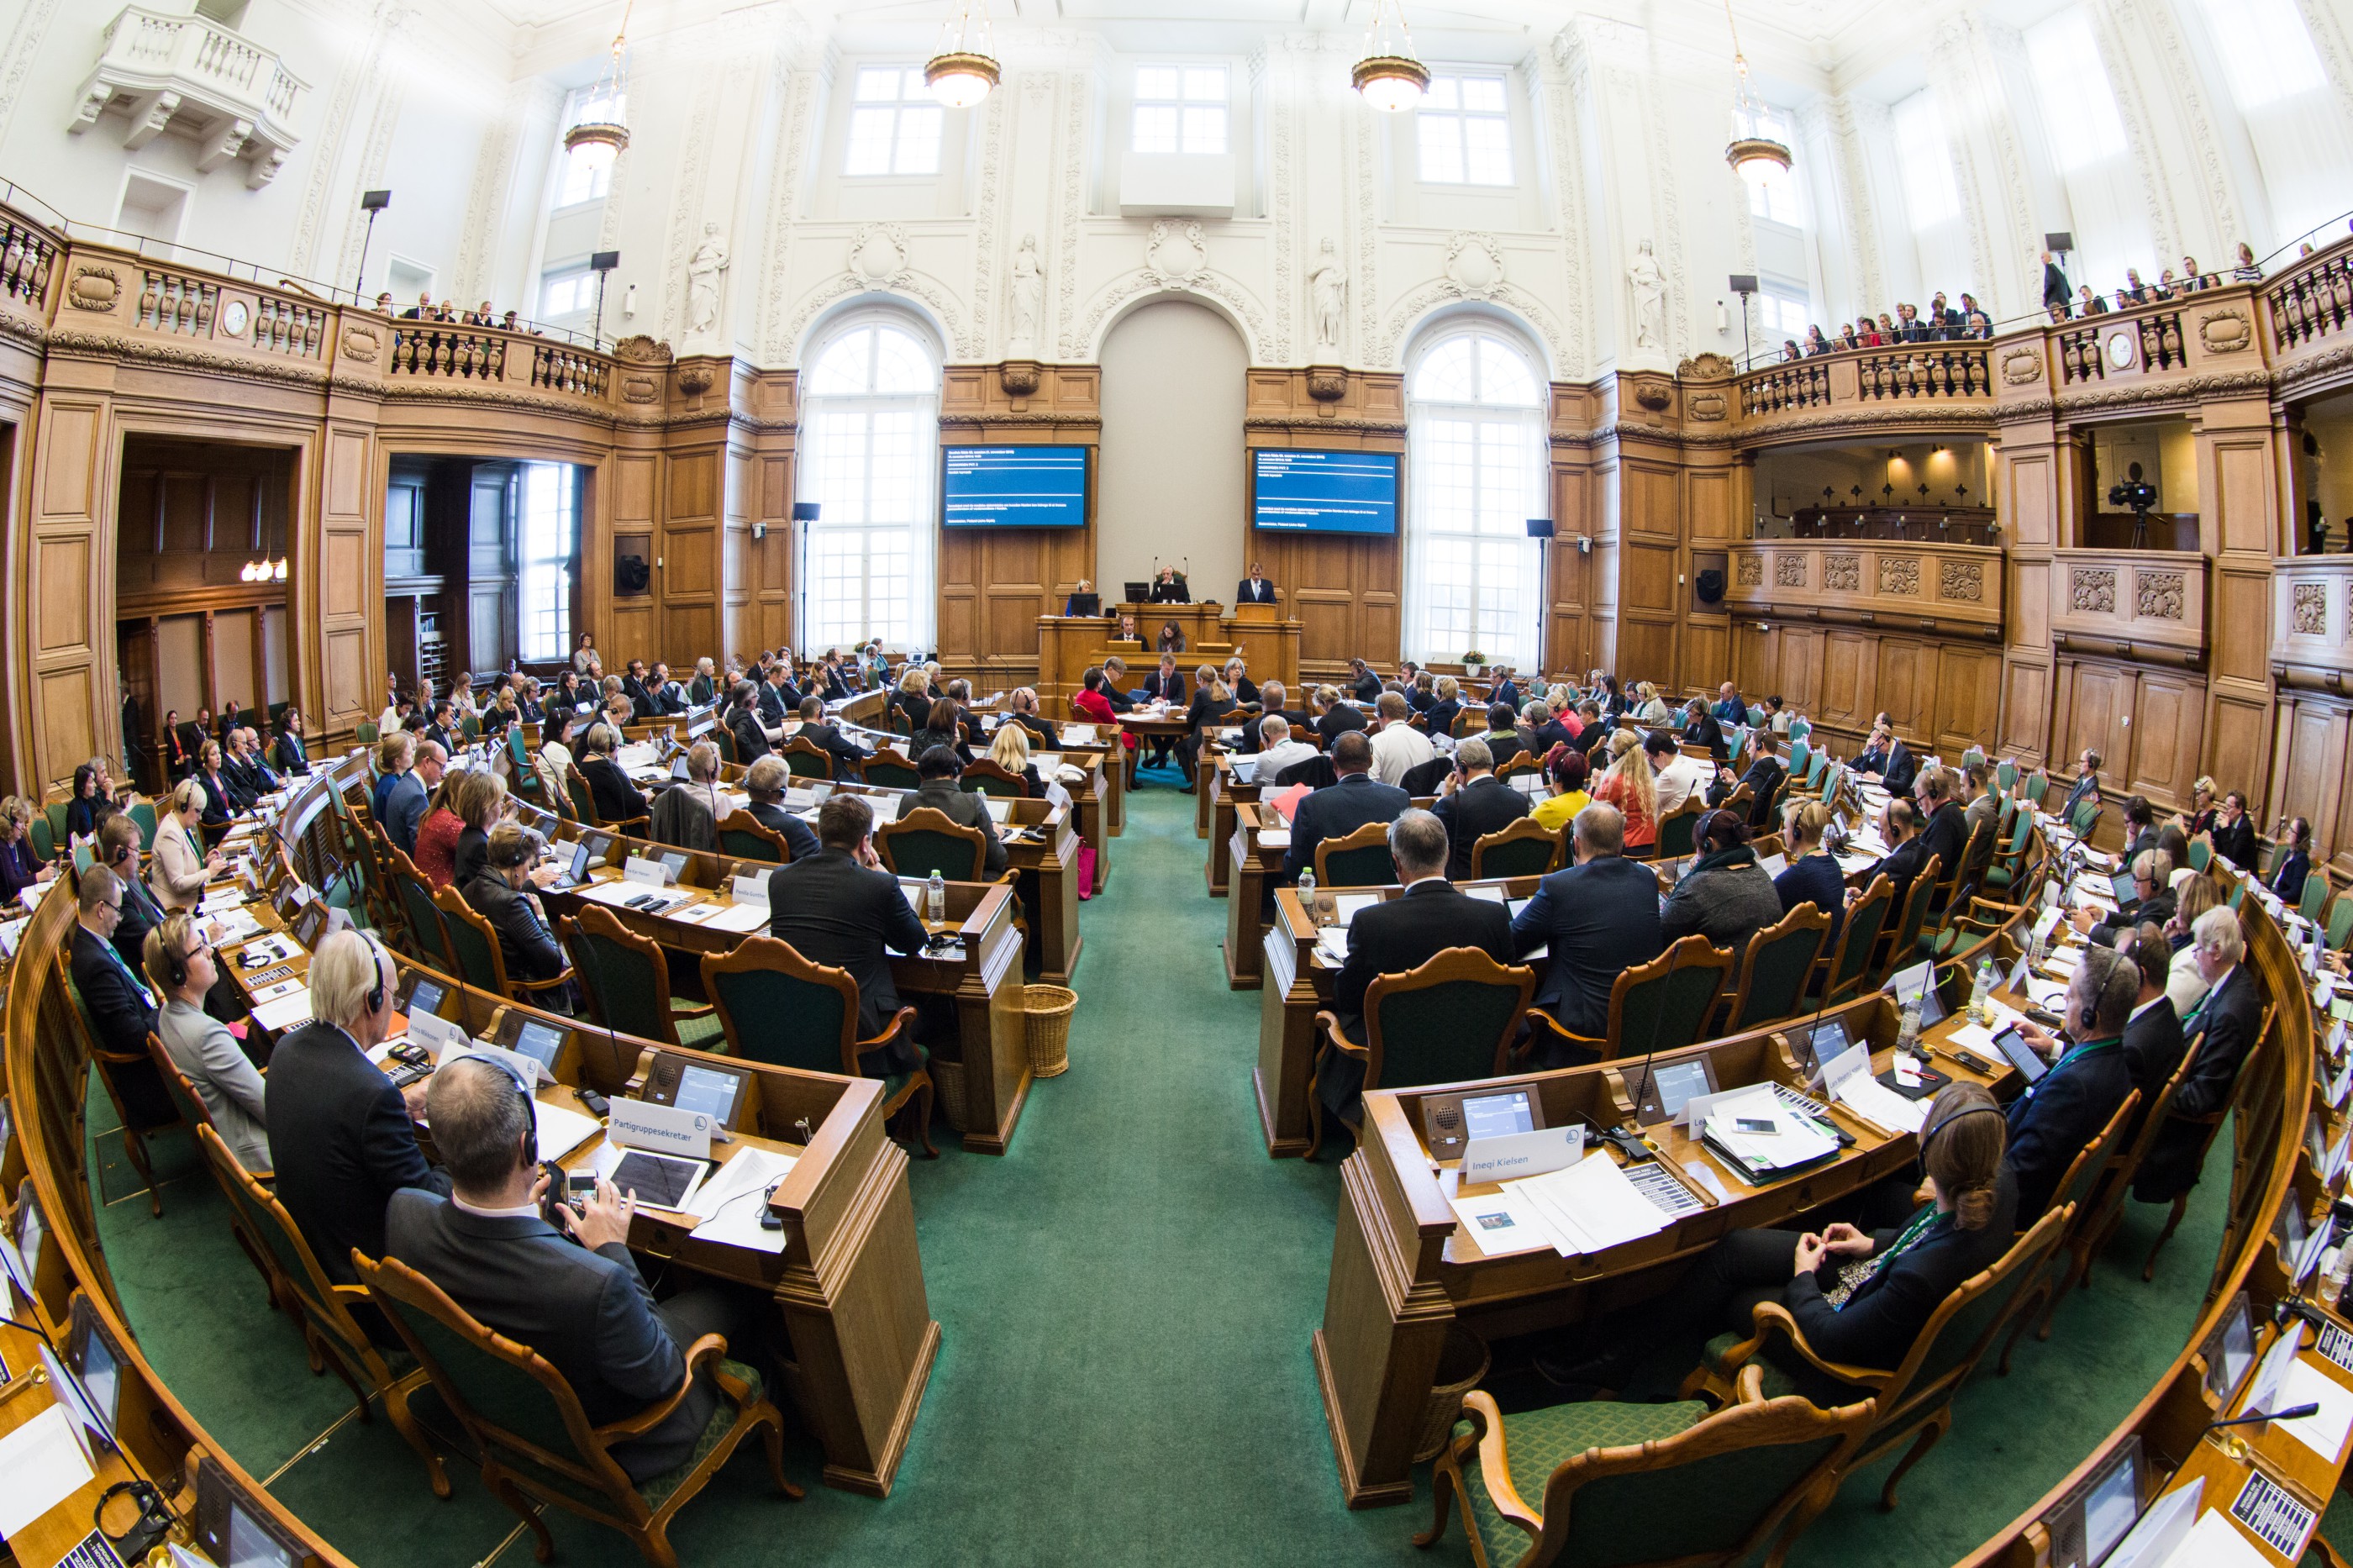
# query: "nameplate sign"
x,y
435,1033
642,868
1515,1155
660,1129
749,890
519,1067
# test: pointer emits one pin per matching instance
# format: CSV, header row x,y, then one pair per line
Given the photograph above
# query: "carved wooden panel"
x,y
2237,726
2310,766
2242,633
1847,699
2094,701
2168,720
2025,710
1967,689
1901,685
2238,511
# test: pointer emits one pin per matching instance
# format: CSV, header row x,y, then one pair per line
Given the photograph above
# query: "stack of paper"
x,y
1793,1142
742,917
1503,1223
1876,1102
1589,1207
561,1130
285,1012
730,1203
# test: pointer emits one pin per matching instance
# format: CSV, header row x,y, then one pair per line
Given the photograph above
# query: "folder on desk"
x,y
1794,1143
1590,1206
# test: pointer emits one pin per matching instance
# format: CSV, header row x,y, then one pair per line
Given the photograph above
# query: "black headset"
x,y
376,956
178,965
1929,1136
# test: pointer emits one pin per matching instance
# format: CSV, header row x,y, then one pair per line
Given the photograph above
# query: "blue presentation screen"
x,y
1326,492
1015,487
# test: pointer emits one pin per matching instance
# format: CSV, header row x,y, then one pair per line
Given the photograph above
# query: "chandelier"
x,y
606,99
264,571
1390,75
961,71
1754,158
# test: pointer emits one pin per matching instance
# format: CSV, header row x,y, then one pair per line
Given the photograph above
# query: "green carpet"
x,y
1125,1301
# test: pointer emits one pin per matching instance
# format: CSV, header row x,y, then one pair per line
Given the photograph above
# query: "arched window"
x,y
869,440
1475,443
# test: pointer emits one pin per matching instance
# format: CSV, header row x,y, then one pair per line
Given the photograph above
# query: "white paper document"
x,y
617,892
1792,1142
561,1130
288,1011
1874,1101
1503,1223
745,917
1275,838
1590,1207
45,1465
730,1203
2324,1431
2215,1542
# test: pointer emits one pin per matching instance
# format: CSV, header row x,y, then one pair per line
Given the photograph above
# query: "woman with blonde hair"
x,y
1812,874
1010,751
913,701
19,866
1212,701
2185,987
177,872
482,804
1653,710
1633,789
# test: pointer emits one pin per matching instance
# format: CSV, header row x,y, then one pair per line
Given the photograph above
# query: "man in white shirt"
x,y
1398,748
1676,775
1277,750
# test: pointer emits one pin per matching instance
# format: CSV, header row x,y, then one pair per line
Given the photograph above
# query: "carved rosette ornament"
x,y
1789,571
1327,383
2156,595
1961,579
1899,574
1842,573
1748,570
1019,377
2308,615
2224,332
93,289
2091,590
1653,396
2021,367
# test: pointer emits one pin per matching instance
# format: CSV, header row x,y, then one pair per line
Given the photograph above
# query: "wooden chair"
x,y
1849,964
743,836
479,962
141,1103
322,1310
1801,756
1451,1019
1515,764
1775,968
2073,1194
778,1007
2086,819
625,980
2314,897
889,769
982,775
1676,828
540,1443
2211,1123
805,759
2339,927
927,839
1913,1400
194,1111
2106,1211
1650,1010
1903,939
583,804
1356,859
428,937
1522,848
1624,1488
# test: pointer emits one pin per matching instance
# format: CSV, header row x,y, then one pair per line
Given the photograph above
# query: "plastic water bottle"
x,y
2333,1276
1907,1033
935,899
1307,892
1981,989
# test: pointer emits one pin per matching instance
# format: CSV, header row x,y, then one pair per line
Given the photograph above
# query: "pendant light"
x,y
1390,75
1754,158
611,95
962,71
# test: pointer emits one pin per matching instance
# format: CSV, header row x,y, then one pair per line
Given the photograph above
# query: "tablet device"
x,y
674,863
2098,1510
533,1037
1918,982
1823,1044
311,924
418,994
725,1094
2021,1055
1672,1084
2127,892
2229,1352
1452,1121
235,1530
97,1360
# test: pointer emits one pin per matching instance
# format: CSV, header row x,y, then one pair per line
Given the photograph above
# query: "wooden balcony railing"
x,y
2130,603
1890,583
1908,376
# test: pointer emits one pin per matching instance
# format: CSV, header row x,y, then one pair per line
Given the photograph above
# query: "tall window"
x,y
588,168
1926,159
1464,131
895,126
2267,53
565,291
1781,312
1180,109
1773,191
2071,85
1475,443
551,494
871,413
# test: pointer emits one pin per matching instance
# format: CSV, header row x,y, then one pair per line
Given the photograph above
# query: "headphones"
x,y
172,958
153,1525
376,956
1929,1136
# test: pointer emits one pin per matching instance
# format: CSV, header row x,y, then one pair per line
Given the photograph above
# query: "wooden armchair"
x,y
1904,938
982,775
927,839
2127,1141
1676,828
1849,964
540,1443
1358,860
194,1111
1913,1400
1622,1479
1775,968
481,962
322,1310
625,981
889,769
1522,848
743,836
805,759
2209,1125
142,1103
1667,1001
776,1006
428,942
1454,1018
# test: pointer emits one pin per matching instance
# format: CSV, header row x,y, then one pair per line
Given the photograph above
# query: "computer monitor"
x,y
2098,1511
533,1037
2229,1352
728,1095
234,1530
1086,604
419,994
1818,1047
93,1357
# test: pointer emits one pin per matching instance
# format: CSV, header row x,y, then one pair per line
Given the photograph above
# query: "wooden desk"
x,y
1400,1272
1220,794
1255,867
1147,726
1265,635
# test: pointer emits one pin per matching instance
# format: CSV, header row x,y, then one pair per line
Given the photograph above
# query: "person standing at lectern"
x,y
1254,589
1168,589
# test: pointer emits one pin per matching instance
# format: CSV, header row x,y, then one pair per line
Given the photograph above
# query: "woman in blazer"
x,y
91,805
500,892
290,755
220,803
177,872
19,866
177,758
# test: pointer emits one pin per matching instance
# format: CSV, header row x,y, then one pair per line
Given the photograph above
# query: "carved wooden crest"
x,y
1708,408
93,289
640,349
694,380
1019,377
2224,332
2021,367
361,342
1326,383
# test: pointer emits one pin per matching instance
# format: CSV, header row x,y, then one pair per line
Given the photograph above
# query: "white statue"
x,y
703,270
1029,291
1649,287
1328,286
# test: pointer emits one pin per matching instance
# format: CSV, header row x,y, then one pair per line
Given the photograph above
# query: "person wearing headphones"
x,y
118,850
182,967
341,1139
1861,1297
181,864
937,768
2065,1109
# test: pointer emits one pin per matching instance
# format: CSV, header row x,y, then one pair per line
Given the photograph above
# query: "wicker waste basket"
x,y
947,1090
1462,1361
1050,1008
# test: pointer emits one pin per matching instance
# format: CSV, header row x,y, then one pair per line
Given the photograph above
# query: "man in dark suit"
x,y
823,733
2153,1042
1341,807
641,701
669,697
1336,717
1166,684
342,1139
2064,1110
575,1295
766,781
1596,918
1402,934
1701,728
1899,825
404,804
122,1010
1507,692
118,851
937,771
1473,803
753,733
1946,833
1114,673
778,697
839,907
1887,759
2056,292
2152,875
1363,684
1272,697
1168,589
1254,589
2230,1017
1729,708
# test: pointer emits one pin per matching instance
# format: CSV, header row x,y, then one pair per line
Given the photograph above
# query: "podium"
x,y
1067,645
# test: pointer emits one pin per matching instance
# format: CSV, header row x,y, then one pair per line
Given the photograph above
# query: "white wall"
x,y
1171,488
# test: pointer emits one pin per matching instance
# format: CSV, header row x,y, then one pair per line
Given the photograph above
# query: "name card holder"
x,y
1517,1154
749,890
645,870
659,1129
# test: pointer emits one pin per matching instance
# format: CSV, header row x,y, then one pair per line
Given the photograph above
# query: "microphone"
x,y
2293,1413
1658,1020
